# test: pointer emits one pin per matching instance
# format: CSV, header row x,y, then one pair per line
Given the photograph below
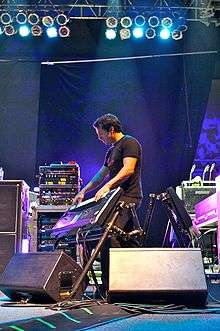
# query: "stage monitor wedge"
x,y
40,277
157,275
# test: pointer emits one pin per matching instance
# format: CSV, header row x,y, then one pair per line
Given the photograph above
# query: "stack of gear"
x,y
59,183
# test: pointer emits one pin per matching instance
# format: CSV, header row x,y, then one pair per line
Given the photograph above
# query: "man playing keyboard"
x,y
121,167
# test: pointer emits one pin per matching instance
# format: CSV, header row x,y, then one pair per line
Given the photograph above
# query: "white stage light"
x,y
138,33
24,30
52,32
110,34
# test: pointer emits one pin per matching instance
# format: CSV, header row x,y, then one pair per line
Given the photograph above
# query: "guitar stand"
x,y
179,231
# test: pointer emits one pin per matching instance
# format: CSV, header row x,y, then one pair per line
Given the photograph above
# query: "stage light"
x,y
62,19
164,34
177,35
36,30
139,20
110,34
181,23
167,22
48,21
9,30
153,21
125,34
150,33
182,28
126,22
64,31
6,18
52,32
21,18
111,22
138,32
24,30
33,19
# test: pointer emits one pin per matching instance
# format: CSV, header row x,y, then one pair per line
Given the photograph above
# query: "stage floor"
x,y
107,317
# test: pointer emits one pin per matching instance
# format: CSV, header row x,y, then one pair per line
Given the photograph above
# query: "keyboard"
x,y
87,214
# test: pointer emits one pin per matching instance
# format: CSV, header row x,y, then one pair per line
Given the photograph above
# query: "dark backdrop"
x,y
160,100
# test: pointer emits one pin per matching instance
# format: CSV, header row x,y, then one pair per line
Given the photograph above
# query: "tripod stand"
x,y
178,218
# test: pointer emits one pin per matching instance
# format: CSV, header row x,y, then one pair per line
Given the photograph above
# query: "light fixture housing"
x,y
64,31
153,21
62,19
33,19
21,17
36,30
139,20
126,22
111,22
125,34
48,21
6,18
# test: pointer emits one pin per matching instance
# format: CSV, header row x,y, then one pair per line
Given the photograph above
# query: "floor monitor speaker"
x,y
157,275
40,277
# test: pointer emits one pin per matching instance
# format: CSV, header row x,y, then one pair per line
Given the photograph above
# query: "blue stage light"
x,y
138,32
110,34
165,34
24,31
52,32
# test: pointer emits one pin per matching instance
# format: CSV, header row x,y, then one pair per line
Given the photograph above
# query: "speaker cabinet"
x,y
157,275
14,207
40,277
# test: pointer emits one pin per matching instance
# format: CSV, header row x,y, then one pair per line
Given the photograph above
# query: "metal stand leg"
x,y
94,254
168,228
148,217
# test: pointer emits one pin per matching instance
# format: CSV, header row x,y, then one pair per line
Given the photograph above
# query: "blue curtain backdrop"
x,y
161,108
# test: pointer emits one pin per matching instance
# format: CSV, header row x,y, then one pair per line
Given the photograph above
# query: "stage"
x,y
109,317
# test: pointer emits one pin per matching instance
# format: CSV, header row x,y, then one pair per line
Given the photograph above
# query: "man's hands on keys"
x,y
78,198
102,192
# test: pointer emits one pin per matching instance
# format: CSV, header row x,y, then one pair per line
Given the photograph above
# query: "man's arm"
x,y
93,183
126,171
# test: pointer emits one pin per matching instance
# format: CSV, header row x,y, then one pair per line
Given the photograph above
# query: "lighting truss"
x,y
204,11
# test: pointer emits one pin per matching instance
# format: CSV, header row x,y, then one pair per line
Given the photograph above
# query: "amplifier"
x,y
192,194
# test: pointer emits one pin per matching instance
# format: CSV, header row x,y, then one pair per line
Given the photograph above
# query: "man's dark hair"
x,y
106,122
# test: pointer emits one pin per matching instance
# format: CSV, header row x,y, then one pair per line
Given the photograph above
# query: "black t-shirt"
x,y
127,146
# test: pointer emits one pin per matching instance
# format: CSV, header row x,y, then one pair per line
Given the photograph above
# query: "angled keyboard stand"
x,y
105,214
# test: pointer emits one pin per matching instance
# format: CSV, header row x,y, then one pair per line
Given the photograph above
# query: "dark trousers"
x,y
125,222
